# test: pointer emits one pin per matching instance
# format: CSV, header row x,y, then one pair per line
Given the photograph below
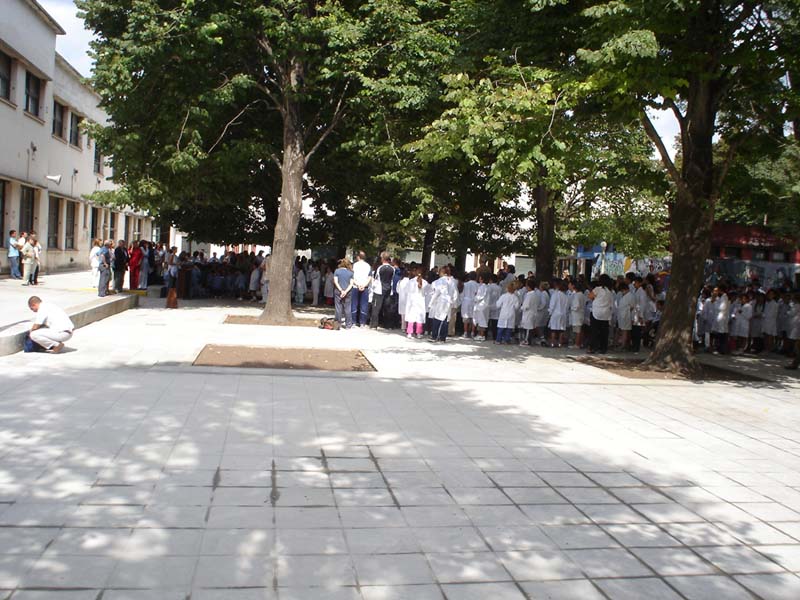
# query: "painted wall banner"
x,y
742,272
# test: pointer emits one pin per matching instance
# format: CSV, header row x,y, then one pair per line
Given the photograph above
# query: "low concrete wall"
x,y
81,316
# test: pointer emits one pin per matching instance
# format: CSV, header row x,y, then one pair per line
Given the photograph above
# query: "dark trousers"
x,y
119,278
599,341
378,303
636,337
492,329
360,306
439,330
343,313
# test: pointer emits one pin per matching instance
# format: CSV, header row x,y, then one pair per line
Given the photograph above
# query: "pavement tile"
x,y
392,569
636,589
562,590
463,567
608,563
772,587
705,587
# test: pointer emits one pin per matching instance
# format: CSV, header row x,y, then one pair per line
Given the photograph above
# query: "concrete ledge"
x,y
81,316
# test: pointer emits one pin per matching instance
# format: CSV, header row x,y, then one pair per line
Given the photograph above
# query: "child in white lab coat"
x,y
468,305
493,295
625,315
577,302
300,286
480,311
416,292
530,312
559,306
507,305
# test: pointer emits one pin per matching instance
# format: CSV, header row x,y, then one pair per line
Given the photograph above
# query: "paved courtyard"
x,y
452,472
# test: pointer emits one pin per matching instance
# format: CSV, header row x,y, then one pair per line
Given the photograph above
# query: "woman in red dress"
x,y
136,260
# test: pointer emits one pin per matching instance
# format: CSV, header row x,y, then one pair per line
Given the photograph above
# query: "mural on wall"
x,y
742,272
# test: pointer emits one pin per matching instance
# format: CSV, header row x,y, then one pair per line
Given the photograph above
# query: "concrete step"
x,y
11,341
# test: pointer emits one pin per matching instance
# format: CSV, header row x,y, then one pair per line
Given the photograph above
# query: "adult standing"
x,y
445,294
381,292
602,306
13,254
28,260
94,262
361,287
121,259
343,282
315,277
37,258
51,325
144,265
135,264
104,266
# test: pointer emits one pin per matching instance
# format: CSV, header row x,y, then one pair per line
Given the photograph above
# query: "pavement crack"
x,y
274,494
217,478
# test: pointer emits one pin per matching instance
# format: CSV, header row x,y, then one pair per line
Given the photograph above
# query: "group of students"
x,y
747,319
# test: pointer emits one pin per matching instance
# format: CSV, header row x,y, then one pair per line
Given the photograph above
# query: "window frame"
x,y
29,78
9,79
62,109
52,228
98,160
69,231
23,200
75,136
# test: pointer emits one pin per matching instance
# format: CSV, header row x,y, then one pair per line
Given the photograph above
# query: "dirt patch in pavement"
x,y
632,369
249,320
258,357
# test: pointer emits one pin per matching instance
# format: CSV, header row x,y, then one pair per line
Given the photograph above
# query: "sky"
x,y
74,46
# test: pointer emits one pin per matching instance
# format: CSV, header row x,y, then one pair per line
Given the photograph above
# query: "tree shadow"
x,y
162,483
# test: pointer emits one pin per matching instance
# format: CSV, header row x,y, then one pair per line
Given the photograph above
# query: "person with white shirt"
x,y
362,283
415,309
480,313
492,296
625,315
559,309
577,301
602,304
468,305
721,319
443,298
769,321
51,325
530,312
507,303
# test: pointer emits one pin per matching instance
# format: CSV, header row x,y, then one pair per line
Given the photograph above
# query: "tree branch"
x,y
228,125
183,128
652,133
338,113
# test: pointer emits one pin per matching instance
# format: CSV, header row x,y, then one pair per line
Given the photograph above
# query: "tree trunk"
x,y
691,219
545,233
427,244
278,310
461,261
690,238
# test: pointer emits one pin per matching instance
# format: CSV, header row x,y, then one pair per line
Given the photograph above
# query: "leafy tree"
x,y
719,67
185,81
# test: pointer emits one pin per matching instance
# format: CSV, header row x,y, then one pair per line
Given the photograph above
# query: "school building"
x,y
49,166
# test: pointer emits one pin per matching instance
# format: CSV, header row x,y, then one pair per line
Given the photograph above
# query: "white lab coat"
x,y
402,295
481,310
625,312
507,304
558,311
544,308
722,314
576,304
530,310
468,299
493,295
415,301
443,298
769,322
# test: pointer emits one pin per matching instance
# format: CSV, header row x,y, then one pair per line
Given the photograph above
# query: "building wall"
x,y
31,149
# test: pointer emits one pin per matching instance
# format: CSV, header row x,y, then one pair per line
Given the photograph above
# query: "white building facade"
x,y
48,165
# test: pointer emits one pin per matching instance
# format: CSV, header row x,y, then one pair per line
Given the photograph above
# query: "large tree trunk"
x,y
279,302
427,244
691,219
690,238
545,233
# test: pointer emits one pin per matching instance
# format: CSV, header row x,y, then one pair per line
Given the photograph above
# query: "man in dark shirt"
x,y
382,292
121,260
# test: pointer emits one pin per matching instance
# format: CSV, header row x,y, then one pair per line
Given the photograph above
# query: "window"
x,y
52,222
26,209
98,160
69,233
5,76
113,223
779,256
93,223
75,130
59,112
759,255
733,252
33,92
